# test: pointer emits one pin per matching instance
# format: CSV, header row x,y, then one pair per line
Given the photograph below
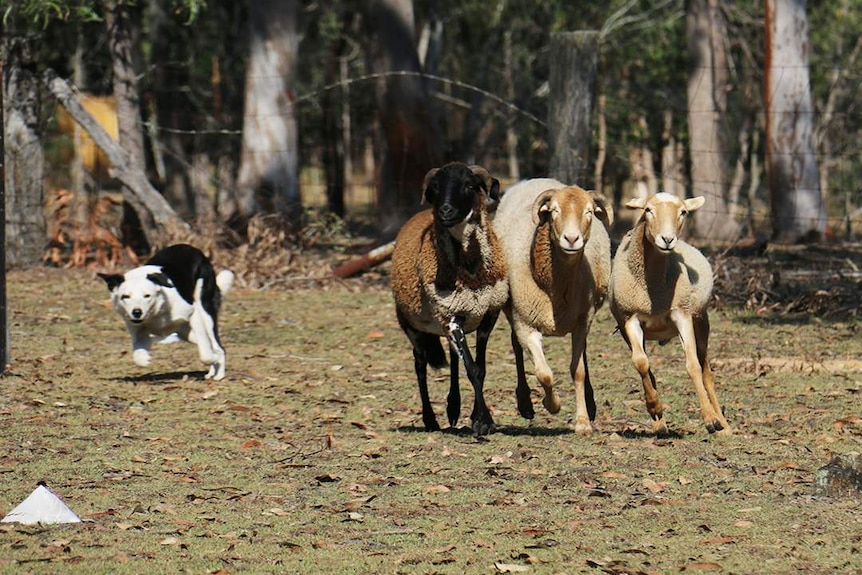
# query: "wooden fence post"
x,y
574,58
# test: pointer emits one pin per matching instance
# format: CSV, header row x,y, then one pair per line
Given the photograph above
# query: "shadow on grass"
x,y
510,430
167,377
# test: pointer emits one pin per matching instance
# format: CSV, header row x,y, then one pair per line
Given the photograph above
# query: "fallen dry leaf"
x,y
437,489
510,568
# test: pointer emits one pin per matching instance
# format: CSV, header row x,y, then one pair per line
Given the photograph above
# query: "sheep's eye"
x,y
648,211
125,296
146,296
683,213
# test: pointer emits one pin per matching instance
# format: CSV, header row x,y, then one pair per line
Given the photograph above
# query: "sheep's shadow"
x,y
164,377
509,430
650,434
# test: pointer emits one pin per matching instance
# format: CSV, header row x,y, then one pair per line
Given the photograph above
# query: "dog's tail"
x,y
224,281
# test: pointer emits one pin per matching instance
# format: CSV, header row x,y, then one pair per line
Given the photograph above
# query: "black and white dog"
x,y
175,294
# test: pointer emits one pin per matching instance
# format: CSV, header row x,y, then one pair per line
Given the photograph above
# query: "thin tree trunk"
x,y
572,80
511,135
601,146
707,83
268,178
170,109
798,209
672,167
123,38
24,160
411,142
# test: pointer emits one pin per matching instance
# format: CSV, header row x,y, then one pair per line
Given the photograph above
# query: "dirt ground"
x,y
310,456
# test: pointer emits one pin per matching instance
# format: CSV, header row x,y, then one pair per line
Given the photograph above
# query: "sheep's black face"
x,y
452,192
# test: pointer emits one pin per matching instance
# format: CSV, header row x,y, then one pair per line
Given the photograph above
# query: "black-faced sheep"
x,y
559,262
449,279
660,288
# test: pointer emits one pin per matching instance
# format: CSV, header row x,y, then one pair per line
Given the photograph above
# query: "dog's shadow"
x,y
165,377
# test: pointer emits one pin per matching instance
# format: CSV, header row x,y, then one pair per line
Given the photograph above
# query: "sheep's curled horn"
x,y
540,206
492,185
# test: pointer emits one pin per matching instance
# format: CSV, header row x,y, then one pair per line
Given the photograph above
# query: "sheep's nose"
x,y
668,240
571,239
447,211
137,313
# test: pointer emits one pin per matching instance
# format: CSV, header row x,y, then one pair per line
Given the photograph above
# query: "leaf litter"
x,y
331,468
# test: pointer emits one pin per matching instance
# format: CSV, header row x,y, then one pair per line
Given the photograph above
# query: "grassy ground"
x,y
310,456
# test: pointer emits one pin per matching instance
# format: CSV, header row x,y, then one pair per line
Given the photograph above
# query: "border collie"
x,y
175,294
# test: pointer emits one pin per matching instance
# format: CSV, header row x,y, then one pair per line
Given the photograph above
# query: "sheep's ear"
x,y
113,280
541,209
428,195
636,203
492,184
160,279
604,211
692,204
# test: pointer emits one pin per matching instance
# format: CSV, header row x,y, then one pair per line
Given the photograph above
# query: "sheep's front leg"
x,y
634,336
578,369
481,416
701,332
532,340
684,326
453,400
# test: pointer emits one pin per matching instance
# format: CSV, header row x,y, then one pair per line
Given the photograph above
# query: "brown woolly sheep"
x,y
449,279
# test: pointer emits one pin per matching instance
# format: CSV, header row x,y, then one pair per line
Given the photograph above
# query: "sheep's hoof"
x,y
431,424
718,428
482,427
525,407
659,427
583,427
552,403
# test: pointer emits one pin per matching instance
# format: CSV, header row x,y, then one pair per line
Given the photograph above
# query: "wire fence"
x,y
630,165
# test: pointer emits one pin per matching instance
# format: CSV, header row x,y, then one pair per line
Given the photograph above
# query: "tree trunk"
x,y
511,134
572,81
410,138
24,160
798,210
170,109
601,146
123,41
269,162
672,165
707,103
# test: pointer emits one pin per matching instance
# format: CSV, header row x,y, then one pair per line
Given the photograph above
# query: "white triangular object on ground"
x,y
41,506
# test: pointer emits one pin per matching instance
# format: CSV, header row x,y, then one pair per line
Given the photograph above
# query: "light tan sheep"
x,y
660,288
448,279
559,262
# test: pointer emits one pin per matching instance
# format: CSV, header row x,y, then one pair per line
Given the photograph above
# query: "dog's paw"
x,y
141,357
216,372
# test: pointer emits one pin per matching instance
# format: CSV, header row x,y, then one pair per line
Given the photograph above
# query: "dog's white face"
x,y
139,297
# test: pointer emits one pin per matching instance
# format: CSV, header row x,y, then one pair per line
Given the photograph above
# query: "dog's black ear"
x,y
113,280
160,279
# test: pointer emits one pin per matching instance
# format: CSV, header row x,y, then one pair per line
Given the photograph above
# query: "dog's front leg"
x,y
140,346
